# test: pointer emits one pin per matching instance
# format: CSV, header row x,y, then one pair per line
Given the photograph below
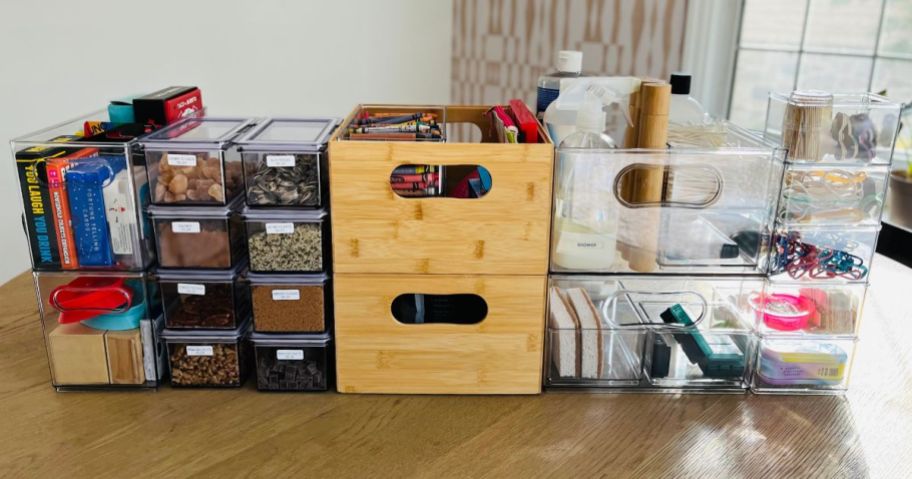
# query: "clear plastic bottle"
x,y
569,65
683,108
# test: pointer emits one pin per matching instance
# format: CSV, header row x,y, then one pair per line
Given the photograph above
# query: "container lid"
x,y
291,340
204,132
201,274
287,214
289,133
280,279
207,335
196,211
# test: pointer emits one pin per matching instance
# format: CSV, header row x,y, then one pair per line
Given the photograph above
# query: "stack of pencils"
x,y
417,180
393,126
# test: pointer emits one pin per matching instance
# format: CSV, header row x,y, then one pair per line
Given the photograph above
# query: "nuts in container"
x,y
208,358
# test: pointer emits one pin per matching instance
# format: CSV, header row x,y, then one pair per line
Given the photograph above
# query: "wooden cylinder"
x,y
806,122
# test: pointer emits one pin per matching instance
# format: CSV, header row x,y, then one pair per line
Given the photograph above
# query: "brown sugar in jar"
x,y
288,306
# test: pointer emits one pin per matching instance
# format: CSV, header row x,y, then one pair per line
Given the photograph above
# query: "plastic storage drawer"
x,y
199,238
832,254
290,304
800,309
287,241
203,299
833,195
803,366
292,362
208,358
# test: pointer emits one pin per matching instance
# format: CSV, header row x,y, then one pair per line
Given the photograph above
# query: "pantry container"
x,y
287,240
803,366
290,303
204,299
285,161
292,362
83,194
195,161
199,237
208,358
100,328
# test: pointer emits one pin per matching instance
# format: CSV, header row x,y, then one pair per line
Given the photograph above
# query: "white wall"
x,y
61,59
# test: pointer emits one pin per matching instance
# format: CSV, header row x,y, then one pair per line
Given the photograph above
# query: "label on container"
x,y
199,350
175,159
279,228
280,161
289,354
185,227
190,288
286,295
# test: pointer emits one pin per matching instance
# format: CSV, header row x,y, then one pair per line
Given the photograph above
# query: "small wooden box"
x,y
502,354
504,232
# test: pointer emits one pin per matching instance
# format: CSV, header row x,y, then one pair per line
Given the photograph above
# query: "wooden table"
x,y
212,433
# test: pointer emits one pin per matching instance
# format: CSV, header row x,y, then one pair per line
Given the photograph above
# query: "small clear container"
x,y
822,253
199,238
833,195
801,309
201,358
203,299
838,128
803,366
195,161
298,362
285,161
287,241
290,304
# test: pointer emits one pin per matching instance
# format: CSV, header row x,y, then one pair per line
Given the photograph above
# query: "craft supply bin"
x,y
208,358
833,195
287,241
503,232
101,328
290,304
199,238
203,299
492,347
609,332
695,209
285,161
788,365
801,309
297,362
195,161
822,253
83,194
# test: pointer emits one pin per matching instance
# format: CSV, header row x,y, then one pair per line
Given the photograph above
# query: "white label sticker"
x,y
199,350
175,159
289,354
279,228
280,161
286,295
190,288
185,227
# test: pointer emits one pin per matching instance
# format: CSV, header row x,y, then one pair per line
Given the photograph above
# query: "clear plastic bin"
x,y
803,366
298,362
800,309
290,304
839,128
101,328
833,195
700,209
822,253
650,332
84,192
199,238
287,241
208,358
285,161
195,162
204,299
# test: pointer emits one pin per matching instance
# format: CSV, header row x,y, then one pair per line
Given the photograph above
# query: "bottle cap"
x,y
680,83
570,61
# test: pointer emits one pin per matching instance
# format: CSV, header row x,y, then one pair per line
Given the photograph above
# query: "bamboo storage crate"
x,y
501,354
504,232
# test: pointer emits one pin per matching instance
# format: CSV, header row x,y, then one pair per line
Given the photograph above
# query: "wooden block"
x,y
500,355
77,355
125,357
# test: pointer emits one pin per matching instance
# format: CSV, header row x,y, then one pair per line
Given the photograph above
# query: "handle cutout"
x,y
438,181
414,308
642,185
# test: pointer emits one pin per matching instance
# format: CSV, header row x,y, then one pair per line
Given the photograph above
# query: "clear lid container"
x,y
168,212
289,134
180,336
300,340
197,133
283,214
273,279
202,275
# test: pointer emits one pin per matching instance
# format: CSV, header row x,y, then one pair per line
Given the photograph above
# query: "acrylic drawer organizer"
x,y
101,328
655,333
195,161
693,209
83,193
290,303
203,299
299,362
208,358
199,237
287,241
285,162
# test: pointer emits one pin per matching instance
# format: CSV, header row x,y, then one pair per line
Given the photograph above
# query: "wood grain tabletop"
x,y
229,433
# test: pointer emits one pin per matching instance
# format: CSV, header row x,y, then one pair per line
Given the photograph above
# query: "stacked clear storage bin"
x,y
84,194
826,226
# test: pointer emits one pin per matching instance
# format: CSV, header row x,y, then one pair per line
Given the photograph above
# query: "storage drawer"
x,y
375,230
671,211
833,195
832,254
803,366
799,309
468,335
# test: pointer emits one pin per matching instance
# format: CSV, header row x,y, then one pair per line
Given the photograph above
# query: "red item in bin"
x,y
87,297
